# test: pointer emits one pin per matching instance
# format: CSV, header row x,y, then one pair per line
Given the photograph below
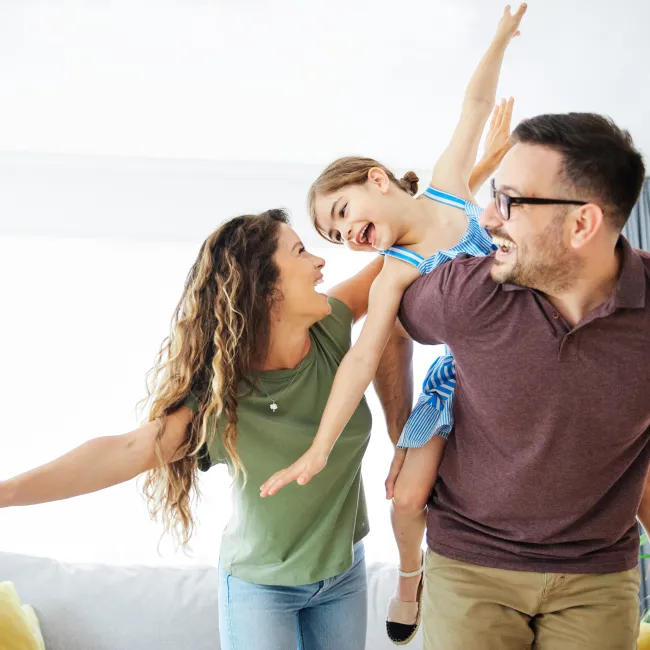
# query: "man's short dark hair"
x,y
601,162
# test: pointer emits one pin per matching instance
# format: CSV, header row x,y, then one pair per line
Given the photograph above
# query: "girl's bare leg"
x,y
412,489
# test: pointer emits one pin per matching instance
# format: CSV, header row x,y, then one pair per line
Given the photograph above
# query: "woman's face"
x,y
300,274
361,216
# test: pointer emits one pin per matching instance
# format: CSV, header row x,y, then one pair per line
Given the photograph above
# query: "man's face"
x,y
533,244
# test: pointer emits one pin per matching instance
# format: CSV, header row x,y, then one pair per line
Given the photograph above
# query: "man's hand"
x,y
302,471
395,468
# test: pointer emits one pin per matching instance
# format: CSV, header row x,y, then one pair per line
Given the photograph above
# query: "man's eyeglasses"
x,y
503,201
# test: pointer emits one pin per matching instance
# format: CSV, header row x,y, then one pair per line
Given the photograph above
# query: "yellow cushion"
x,y
19,628
644,637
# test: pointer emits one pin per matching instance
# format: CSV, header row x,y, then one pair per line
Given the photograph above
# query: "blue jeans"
x,y
328,615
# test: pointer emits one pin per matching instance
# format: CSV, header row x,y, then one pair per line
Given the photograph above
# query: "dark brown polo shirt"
x,y
547,462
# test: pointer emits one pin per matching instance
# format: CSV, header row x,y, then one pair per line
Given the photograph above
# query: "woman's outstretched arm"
x,y
97,464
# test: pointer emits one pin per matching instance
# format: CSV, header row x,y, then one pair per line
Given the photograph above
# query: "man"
x,y
531,528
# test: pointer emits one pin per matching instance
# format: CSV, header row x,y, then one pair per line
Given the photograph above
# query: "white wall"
x,y
300,81
145,199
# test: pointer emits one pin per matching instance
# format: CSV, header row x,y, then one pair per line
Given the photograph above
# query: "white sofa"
x,y
97,607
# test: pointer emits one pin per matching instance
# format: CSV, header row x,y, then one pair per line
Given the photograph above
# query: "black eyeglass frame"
x,y
524,200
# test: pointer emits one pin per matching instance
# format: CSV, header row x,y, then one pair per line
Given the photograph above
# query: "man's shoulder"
x,y
459,275
468,263
477,267
454,292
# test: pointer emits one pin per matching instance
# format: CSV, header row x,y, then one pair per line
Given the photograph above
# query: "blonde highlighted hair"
x,y
352,170
219,332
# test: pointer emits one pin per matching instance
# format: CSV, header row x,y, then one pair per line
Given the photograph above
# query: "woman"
x,y
242,380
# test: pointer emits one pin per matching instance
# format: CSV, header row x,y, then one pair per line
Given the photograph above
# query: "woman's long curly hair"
x,y
219,333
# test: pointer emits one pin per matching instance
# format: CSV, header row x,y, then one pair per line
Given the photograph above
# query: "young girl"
x,y
359,202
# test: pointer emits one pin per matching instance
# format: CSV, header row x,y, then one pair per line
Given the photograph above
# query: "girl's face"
x,y
364,217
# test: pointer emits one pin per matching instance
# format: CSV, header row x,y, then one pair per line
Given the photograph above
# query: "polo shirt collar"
x,y
630,289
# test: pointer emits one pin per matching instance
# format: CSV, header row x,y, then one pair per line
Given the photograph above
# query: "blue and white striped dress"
x,y
433,412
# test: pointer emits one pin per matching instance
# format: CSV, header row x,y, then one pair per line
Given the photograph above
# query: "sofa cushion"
x,y
117,608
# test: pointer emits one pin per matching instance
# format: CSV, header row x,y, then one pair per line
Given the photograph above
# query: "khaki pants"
x,y
468,607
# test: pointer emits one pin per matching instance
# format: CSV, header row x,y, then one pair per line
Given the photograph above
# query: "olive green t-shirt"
x,y
304,534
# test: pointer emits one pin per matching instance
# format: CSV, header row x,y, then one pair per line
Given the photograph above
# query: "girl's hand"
x,y
498,141
508,26
302,471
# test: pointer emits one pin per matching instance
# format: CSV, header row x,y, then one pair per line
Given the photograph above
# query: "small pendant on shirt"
x,y
274,407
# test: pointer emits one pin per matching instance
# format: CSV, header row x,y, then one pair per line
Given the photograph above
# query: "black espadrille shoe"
x,y
403,619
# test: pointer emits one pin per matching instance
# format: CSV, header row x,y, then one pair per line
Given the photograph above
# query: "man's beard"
x,y
551,268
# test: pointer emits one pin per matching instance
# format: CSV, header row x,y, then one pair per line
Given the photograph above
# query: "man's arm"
x,y
394,386
354,291
394,381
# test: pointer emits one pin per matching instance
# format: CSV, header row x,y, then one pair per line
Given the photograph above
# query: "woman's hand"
x,y
302,471
497,144
508,26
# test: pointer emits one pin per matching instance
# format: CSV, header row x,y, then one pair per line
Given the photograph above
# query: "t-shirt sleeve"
x,y
335,330
215,454
450,301
192,402
422,311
